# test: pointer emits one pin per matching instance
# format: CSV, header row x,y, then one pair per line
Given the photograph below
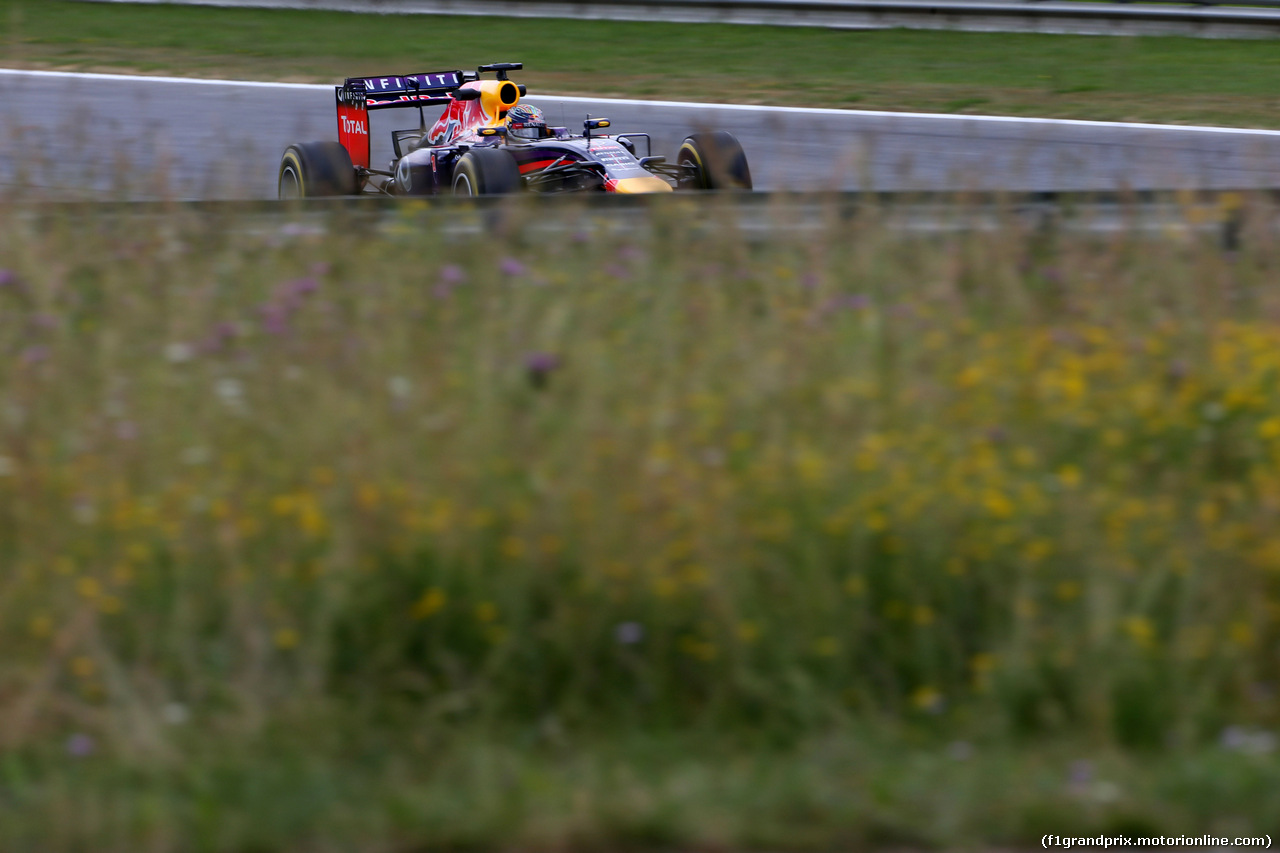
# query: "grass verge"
x,y
354,534
315,784
1178,80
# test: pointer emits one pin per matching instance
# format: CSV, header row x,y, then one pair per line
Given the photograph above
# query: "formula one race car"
x,y
487,142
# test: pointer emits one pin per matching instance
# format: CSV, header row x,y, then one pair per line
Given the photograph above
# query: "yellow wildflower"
x,y
430,603
970,376
826,647
694,647
997,504
926,698
665,586
1241,634
286,638
1140,630
1069,476
1036,550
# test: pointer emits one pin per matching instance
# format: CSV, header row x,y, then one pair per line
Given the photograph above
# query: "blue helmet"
x,y
526,122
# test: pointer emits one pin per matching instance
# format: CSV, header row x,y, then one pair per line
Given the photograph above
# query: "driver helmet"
x,y
526,122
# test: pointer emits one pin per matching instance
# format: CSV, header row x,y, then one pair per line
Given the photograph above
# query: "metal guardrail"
x,y
1206,18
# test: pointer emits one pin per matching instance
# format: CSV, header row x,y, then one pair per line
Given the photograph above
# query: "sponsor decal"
x,y
351,98
411,82
353,126
612,154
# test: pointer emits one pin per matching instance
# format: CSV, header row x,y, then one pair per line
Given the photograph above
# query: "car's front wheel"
x,y
486,171
712,161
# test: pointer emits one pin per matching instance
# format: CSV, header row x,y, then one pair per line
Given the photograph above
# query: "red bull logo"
x,y
459,118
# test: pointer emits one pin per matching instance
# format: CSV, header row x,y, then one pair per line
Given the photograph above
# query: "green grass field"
x,y
1179,80
373,538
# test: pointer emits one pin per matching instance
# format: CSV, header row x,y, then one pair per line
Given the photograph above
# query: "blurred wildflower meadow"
x,y
354,532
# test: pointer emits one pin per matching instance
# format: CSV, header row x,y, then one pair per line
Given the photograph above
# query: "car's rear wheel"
x,y
486,171
316,169
712,161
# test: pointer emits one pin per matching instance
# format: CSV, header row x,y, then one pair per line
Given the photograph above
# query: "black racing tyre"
x,y
486,171
315,169
712,161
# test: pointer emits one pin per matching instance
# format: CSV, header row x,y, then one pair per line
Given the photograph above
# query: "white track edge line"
x,y
1066,122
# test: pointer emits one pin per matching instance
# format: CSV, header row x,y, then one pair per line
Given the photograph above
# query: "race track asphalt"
x,y
106,136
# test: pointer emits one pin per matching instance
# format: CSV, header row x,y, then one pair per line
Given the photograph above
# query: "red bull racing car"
x,y
488,142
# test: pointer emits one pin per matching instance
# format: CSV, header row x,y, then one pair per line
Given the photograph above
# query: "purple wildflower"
x,y
542,362
451,276
301,287
1250,741
8,278
1053,275
275,319
511,266
628,633
810,279
320,268
225,331
35,355
1064,337
848,302
540,366
218,337
80,745
1080,774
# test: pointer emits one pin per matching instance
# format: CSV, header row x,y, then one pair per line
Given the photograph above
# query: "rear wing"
x,y
358,95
